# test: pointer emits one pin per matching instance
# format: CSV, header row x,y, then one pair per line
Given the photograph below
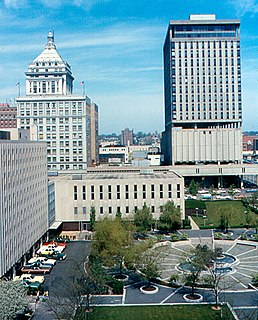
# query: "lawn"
x,y
183,312
214,209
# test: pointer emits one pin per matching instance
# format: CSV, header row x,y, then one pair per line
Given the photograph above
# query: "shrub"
x,y
117,286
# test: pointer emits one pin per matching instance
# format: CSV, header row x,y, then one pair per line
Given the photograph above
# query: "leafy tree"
x,y
170,218
255,280
92,217
85,279
201,256
253,201
113,240
12,299
231,190
212,191
193,188
248,218
149,266
225,217
119,214
143,218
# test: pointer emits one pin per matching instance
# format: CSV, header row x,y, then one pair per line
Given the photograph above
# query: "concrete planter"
x,y
187,298
146,290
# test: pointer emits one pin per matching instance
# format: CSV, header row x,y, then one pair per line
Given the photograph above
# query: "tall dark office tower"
x,y
127,137
202,79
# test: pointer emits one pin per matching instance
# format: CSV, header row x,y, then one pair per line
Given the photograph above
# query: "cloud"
x,y
87,4
243,7
15,4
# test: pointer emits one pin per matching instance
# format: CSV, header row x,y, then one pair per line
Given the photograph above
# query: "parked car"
x,y
40,265
35,269
31,286
54,243
50,248
30,278
61,240
42,260
53,255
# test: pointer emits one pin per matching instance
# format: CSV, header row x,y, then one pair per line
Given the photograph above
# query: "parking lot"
x,y
59,280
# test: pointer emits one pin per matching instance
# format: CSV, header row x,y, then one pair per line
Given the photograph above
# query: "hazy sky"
x,y
115,46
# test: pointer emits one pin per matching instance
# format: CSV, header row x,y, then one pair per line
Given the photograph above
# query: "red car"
x,y
35,269
53,243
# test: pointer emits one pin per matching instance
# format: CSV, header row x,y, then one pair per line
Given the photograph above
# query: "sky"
x,y
115,46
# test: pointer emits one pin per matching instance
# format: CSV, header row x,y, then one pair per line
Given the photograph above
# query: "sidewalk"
x,y
193,224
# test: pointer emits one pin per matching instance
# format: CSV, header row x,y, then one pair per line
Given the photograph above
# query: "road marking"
x,y
252,270
246,307
170,295
243,274
249,257
231,247
241,254
238,281
124,294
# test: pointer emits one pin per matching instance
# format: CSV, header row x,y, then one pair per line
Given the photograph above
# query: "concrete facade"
x,y
23,199
202,80
113,190
50,110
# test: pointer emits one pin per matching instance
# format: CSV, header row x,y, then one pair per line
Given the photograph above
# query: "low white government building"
x,y
115,190
23,199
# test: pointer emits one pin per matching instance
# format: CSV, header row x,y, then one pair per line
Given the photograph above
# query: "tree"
x,y
112,240
12,299
201,256
225,217
148,265
215,275
85,279
231,190
143,218
248,217
170,218
193,188
212,191
92,217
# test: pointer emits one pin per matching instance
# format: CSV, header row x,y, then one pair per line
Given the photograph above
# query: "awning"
x,y
55,225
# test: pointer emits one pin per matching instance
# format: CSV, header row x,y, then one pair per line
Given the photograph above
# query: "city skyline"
x,y
116,48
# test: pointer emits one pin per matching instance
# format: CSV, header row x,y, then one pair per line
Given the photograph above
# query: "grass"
x,y
214,209
183,312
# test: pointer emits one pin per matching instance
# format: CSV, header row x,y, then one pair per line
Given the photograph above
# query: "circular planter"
x,y
122,277
196,299
149,290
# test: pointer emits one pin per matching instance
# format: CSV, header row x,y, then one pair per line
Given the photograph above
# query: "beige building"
x,y
23,199
114,190
69,123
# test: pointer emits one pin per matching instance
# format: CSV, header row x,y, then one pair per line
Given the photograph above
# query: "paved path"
x,y
193,224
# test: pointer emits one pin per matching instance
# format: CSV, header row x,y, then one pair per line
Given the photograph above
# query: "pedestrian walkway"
x,y
193,224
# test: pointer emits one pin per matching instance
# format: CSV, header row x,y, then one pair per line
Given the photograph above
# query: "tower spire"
x,y
50,40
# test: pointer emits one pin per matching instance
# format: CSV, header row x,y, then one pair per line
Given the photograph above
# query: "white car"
x,y
54,247
30,278
50,249
43,260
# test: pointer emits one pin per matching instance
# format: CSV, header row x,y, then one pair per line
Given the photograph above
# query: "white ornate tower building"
x,y
53,114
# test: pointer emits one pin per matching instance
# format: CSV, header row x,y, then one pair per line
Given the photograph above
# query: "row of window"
x,y
114,192
205,44
112,210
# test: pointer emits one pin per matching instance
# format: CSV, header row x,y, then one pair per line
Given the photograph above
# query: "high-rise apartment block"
x,y
8,116
69,123
202,79
127,137
23,199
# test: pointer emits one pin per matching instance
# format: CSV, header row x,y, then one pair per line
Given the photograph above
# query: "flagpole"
x,y
19,88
